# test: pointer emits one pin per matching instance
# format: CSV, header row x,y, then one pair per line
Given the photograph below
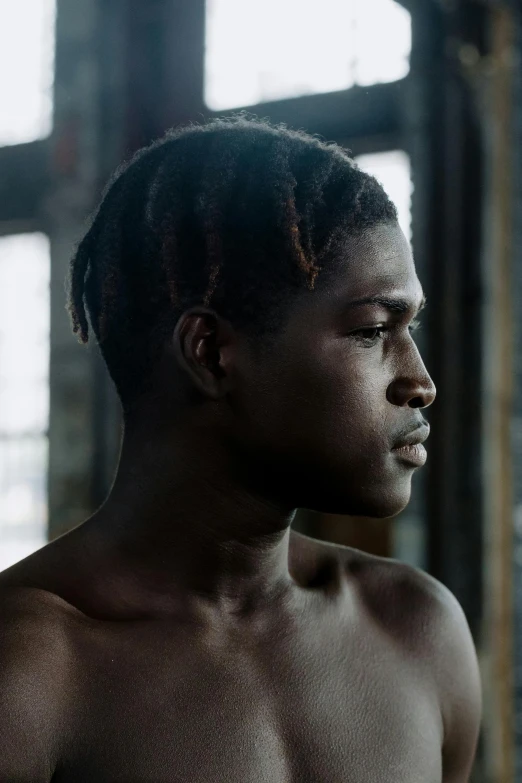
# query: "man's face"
x,y
344,384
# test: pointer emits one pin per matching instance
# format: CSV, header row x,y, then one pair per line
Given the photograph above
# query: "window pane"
x,y
23,497
26,69
393,171
382,42
24,394
260,50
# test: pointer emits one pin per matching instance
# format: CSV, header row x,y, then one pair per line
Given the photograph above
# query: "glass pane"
x,y
393,171
264,50
24,333
23,497
24,394
382,39
26,69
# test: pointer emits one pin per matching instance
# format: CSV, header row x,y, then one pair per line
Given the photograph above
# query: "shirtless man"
x,y
253,297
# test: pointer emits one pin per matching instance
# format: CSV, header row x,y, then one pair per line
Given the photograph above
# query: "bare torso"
x,y
331,687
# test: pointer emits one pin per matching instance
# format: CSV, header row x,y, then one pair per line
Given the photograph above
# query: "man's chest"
x,y
318,712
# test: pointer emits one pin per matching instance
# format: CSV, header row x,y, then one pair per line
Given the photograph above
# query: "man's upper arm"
x,y
458,680
27,698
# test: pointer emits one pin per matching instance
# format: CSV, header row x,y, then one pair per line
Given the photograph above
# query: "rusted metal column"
x,y
498,664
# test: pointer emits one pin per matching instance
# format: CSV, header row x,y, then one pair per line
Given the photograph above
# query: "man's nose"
x,y
414,393
414,387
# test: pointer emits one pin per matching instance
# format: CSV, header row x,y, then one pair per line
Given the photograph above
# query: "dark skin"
x,y
186,633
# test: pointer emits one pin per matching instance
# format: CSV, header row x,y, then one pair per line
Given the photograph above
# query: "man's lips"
x,y
414,455
409,448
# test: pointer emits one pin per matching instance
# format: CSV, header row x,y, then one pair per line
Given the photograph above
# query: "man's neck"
x,y
182,525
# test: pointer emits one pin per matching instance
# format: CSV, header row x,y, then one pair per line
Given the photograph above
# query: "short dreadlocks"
x,y
236,213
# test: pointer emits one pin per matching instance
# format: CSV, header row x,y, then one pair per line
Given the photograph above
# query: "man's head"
x,y
224,266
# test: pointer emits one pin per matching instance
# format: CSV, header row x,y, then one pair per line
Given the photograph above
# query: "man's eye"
x,y
373,334
370,335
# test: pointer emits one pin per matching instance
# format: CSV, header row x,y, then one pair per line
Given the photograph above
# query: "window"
x,y
26,69
261,50
393,171
24,394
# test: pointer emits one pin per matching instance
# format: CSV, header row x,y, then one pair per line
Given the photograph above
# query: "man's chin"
x,y
380,503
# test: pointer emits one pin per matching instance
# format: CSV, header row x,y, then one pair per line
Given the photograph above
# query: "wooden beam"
x,y
499,353
24,177
366,112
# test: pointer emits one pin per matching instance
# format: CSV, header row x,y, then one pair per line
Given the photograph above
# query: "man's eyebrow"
x,y
394,303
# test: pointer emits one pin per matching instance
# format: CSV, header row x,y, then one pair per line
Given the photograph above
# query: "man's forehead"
x,y
397,278
398,301
385,240
381,250
378,263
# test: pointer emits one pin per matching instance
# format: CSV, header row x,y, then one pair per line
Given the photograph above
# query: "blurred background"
x,y
428,96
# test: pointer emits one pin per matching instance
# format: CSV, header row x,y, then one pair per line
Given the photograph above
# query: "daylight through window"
x,y
26,69
24,394
264,50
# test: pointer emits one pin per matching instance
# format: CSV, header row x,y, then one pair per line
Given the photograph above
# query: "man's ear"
x,y
205,347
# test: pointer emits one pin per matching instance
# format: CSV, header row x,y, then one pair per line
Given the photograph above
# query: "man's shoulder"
x,y
33,682
404,600
397,585
32,628
32,587
425,619
35,624
375,572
